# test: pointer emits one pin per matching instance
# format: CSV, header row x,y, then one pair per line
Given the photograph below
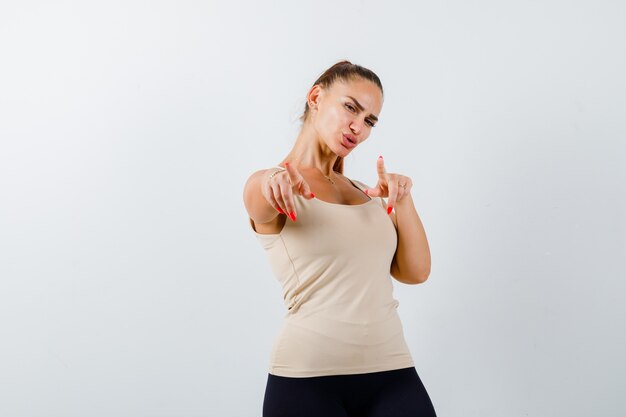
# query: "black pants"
x,y
396,393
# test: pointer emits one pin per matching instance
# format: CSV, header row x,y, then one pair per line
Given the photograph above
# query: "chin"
x,y
343,151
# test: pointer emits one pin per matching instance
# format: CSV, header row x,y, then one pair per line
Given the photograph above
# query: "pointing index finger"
x,y
380,167
294,175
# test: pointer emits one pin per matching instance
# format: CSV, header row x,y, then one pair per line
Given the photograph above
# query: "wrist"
x,y
407,199
268,174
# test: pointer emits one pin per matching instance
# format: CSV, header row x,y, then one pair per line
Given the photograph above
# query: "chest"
x,y
338,233
342,192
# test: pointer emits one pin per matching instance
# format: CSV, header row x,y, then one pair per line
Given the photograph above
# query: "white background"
x,y
132,285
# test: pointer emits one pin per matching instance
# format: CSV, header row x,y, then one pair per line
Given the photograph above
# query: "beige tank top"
x,y
333,265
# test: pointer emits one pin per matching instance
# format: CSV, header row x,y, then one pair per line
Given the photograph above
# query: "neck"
x,y
310,151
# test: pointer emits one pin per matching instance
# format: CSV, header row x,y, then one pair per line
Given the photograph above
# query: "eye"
x,y
352,109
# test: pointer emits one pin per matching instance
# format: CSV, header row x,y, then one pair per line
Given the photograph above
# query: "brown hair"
x,y
341,71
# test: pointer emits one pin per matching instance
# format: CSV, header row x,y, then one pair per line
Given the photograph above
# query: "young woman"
x,y
333,243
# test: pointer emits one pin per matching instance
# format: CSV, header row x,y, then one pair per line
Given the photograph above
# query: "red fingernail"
x,y
380,156
286,163
282,212
293,216
312,195
389,209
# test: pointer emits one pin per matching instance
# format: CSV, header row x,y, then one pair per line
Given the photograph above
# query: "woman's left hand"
x,y
393,186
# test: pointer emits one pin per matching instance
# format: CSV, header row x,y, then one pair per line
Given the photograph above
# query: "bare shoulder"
x,y
262,216
259,209
251,188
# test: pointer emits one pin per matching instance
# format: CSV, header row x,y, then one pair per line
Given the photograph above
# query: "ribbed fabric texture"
x,y
333,265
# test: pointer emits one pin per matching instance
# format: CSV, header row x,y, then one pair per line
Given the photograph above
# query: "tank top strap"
x,y
362,186
358,184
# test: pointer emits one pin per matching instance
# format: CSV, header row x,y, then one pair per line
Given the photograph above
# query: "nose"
x,y
355,126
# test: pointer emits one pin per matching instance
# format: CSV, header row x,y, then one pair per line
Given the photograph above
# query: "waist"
x,y
345,325
319,345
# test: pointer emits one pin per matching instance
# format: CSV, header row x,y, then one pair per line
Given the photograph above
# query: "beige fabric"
x,y
333,265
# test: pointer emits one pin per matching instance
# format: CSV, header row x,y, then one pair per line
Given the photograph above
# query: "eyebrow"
x,y
361,107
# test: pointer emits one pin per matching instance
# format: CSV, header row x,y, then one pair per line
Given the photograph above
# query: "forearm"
x,y
412,254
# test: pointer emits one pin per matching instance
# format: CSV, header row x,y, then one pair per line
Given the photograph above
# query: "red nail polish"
x,y
380,156
389,209
312,195
280,211
293,216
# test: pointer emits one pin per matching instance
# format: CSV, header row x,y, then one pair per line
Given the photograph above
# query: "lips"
x,y
349,141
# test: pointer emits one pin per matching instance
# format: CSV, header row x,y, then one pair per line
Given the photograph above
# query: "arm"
x,y
411,263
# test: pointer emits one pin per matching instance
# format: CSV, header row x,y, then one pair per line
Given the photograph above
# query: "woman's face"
x,y
346,110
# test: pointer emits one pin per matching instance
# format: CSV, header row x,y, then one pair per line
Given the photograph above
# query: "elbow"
x,y
421,277
412,276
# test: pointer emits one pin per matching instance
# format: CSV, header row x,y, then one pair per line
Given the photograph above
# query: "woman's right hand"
x,y
279,190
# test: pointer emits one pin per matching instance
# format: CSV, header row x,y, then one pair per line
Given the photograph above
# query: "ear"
x,y
313,97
